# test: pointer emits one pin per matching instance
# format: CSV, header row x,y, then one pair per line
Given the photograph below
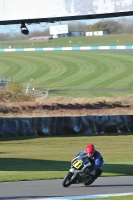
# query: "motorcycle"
x,y
78,173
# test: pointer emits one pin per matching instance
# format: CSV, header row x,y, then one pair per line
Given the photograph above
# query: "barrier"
x,y
85,125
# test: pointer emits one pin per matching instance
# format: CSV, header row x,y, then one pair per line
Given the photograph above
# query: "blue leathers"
x,y
96,160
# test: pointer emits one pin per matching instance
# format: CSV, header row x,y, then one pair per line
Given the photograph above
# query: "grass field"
x,y
113,198
35,158
108,40
77,73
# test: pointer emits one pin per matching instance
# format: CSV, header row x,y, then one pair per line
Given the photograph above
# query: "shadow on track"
x,y
25,197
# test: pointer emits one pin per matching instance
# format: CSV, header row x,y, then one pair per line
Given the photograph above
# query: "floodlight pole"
x,y
32,86
27,89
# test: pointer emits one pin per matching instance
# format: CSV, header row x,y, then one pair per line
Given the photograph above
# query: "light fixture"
x,y
24,29
51,21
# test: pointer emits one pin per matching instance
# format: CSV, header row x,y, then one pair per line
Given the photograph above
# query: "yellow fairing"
x,y
77,164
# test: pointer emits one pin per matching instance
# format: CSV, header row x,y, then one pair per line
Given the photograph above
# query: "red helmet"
x,y
90,149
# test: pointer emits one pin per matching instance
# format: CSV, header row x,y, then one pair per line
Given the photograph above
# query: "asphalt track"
x,y
53,188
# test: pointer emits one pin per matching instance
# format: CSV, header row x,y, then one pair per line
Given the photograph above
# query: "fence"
x,y
4,81
36,93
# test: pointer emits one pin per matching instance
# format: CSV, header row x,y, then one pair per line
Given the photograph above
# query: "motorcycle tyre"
x,y
90,182
67,181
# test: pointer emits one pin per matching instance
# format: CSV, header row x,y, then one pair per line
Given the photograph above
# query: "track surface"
x,y
53,188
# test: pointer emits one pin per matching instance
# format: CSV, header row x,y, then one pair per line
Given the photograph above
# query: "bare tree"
x,y
77,26
109,25
4,37
127,25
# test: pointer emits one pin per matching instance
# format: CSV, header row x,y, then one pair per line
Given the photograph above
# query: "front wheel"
x,y
67,180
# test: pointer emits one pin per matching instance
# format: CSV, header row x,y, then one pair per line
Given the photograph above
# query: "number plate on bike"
x,y
77,164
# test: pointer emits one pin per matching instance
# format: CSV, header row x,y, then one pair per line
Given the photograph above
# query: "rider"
x,y
94,157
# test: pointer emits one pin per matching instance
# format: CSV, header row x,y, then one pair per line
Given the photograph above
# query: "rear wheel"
x,y
89,182
67,180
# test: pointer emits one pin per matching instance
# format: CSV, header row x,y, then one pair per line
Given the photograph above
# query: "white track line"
x,y
84,197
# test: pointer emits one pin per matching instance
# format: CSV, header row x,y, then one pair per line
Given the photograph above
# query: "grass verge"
x,y
106,40
113,198
36,158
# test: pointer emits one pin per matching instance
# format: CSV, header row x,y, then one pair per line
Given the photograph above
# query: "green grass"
x,y
76,72
107,40
113,198
36,158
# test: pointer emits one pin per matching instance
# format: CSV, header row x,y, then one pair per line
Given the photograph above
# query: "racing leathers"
x,y
96,163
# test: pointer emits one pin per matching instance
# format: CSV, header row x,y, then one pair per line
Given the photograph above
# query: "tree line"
x,y
120,26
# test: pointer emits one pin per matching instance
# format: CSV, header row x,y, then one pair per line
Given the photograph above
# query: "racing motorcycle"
x,y
77,173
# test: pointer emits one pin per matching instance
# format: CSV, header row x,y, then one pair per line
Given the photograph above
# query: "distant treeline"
x,y
120,26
